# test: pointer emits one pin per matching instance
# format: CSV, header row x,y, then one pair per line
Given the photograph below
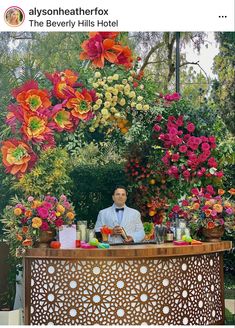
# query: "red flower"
x,y
190,127
17,156
124,55
97,50
183,149
205,146
175,157
31,98
44,226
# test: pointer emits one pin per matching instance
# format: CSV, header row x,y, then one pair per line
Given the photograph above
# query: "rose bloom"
x,y
36,222
210,225
221,191
229,211
44,226
232,191
43,212
218,208
208,212
190,127
185,202
195,206
17,211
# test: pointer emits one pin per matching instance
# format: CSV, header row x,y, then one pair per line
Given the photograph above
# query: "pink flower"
x,y
190,127
186,174
42,212
229,210
195,191
47,205
175,157
59,222
185,202
212,162
158,118
157,128
44,226
176,208
63,198
219,174
212,139
210,189
213,213
183,149
205,146
30,199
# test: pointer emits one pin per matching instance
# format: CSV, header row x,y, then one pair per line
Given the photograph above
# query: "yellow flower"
x,y
133,104
132,94
130,78
98,102
36,222
139,98
60,208
218,208
97,75
139,106
95,85
107,104
124,81
95,107
122,102
92,129
146,107
115,77
17,211
108,95
110,79
115,92
70,215
58,214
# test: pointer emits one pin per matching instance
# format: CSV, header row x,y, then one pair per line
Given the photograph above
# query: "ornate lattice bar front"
x,y
151,284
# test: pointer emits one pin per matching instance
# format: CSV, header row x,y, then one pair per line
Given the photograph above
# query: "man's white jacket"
x,y
131,222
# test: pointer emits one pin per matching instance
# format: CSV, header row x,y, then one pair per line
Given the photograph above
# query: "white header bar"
x,y
117,15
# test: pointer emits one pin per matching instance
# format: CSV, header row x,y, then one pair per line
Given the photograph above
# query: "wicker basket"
x,y
213,234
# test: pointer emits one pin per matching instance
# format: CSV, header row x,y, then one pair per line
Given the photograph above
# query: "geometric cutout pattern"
x,y
173,291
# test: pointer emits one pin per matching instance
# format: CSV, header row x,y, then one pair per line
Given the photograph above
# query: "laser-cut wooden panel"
x,y
180,291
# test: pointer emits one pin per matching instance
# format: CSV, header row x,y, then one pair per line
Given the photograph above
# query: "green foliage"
x,y
223,91
50,175
93,187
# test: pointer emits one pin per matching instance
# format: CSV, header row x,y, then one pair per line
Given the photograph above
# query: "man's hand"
x,y
128,240
117,230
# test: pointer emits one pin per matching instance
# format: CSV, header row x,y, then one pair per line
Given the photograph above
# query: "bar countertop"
x,y
131,251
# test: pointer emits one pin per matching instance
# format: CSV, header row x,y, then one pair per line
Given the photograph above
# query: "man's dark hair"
x,y
119,187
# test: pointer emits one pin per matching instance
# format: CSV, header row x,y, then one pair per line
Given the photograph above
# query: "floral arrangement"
x,y
36,116
25,219
207,208
119,96
186,155
102,47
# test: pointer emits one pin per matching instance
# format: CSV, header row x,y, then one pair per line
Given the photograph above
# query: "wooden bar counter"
x,y
123,285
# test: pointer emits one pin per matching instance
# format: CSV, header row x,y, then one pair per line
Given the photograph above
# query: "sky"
x,y
206,55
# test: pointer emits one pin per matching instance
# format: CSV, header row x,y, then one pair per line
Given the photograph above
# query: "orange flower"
x,y
27,242
80,105
152,213
210,225
25,229
19,237
232,191
36,203
195,206
124,55
97,50
221,192
36,222
218,208
17,156
60,209
70,215
31,98
208,212
28,213
35,127
17,211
